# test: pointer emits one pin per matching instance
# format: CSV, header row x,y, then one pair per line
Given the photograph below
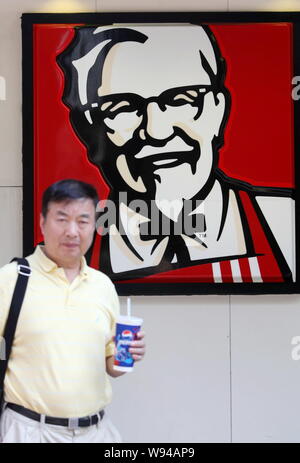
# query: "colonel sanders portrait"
x,y
149,103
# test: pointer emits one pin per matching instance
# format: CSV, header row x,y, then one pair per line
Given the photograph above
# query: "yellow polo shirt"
x,y
64,334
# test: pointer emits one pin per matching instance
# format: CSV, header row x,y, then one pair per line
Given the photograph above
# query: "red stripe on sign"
x,y
226,271
95,258
195,274
265,263
245,270
268,266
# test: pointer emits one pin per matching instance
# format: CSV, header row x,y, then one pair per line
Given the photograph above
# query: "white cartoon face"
x,y
160,111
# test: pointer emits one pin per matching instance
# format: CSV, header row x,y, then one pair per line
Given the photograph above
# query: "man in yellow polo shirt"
x,y
56,386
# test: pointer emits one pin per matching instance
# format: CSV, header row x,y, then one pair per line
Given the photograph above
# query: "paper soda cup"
x,y
126,329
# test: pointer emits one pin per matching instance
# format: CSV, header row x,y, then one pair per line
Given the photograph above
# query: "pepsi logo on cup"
x,y
127,334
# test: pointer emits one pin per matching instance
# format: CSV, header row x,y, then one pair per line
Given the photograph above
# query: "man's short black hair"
x,y
68,190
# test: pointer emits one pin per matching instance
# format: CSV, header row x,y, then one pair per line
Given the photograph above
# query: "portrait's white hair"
x,y
183,40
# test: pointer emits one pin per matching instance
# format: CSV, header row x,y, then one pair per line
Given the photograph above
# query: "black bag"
x,y
24,272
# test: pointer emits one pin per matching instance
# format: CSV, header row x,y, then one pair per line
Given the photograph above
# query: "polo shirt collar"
x,y
83,268
48,265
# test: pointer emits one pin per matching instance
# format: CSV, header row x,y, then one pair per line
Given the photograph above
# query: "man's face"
x,y
160,116
68,230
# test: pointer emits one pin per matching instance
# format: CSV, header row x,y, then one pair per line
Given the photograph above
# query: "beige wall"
x,y
225,372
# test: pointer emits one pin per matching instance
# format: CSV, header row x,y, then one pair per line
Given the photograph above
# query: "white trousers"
x,y
16,428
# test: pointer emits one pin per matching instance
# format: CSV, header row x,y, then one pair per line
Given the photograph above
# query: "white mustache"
x,y
173,146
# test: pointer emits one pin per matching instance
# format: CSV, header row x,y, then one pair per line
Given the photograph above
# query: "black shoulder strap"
x,y
24,272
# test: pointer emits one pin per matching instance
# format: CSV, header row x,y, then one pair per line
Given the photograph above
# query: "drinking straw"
x,y
128,307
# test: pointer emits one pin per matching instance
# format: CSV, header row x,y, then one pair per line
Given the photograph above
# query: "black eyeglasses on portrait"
x,y
112,105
